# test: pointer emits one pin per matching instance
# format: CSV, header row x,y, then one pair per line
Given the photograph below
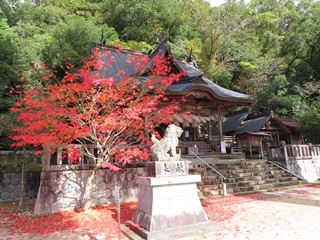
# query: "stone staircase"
x,y
242,177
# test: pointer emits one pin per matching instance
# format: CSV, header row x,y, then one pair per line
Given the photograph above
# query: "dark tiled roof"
x,y
231,122
137,63
253,125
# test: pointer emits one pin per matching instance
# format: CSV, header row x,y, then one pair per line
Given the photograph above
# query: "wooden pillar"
x,y
285,151
250,147
222,143
183,134
261,149
209,130
220,128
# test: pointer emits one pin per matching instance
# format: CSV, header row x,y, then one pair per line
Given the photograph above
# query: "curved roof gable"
x,y
253,125
137,64
232,121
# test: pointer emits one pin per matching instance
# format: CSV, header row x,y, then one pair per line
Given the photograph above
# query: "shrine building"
x,y
206,101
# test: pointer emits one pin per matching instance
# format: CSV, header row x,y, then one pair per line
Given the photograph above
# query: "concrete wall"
x,y
308,169
10,186
65,190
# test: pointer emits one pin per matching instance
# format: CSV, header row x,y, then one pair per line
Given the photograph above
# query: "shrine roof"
x,y
289,122
253,125
183,87
232,121
137,64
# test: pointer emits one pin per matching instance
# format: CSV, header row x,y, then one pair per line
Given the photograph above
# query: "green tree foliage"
x,y
145,20
302,43
309,120
269,49
32,28
228,44
70,41
93,11
277,95
9,72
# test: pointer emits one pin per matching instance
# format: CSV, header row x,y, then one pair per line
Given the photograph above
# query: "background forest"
x,y
269,49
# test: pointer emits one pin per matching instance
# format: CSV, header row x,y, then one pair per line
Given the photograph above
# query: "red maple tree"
x,y
112,115
106,119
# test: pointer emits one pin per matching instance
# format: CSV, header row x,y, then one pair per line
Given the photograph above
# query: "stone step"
x,y
247,177
207,170
221,156
240,163
214,178
212,182
226,168
252,169
197,170
242,169
209,187
208,192
214,175
257,179
242,177
258,176
216,193
261,187
259,182
257,173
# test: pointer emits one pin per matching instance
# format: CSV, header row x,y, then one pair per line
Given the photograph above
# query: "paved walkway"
x,y
287,215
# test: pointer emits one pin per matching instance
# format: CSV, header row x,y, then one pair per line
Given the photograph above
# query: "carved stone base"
x,y
168,203
167,168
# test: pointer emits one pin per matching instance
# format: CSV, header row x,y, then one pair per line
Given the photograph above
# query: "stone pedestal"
x,y
167,169
167,202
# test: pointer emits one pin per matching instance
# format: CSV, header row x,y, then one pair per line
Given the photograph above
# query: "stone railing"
x,y
302,159
60,161
297,152
285,153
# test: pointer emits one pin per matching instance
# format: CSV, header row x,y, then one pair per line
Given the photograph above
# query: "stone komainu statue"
x,y
168,143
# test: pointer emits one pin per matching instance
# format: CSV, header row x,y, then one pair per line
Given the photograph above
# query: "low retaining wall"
x,y
10,186
308,169
65,190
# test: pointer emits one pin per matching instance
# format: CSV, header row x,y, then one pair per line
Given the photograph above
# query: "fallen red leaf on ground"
x,y
104,219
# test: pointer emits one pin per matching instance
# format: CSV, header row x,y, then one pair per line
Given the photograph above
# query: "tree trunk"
x,y
22,188
88,189
22,179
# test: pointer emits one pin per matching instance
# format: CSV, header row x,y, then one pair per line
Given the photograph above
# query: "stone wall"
x,y
10,186
65,190
308,169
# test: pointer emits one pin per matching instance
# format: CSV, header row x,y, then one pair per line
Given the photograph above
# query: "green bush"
x,y
15,163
